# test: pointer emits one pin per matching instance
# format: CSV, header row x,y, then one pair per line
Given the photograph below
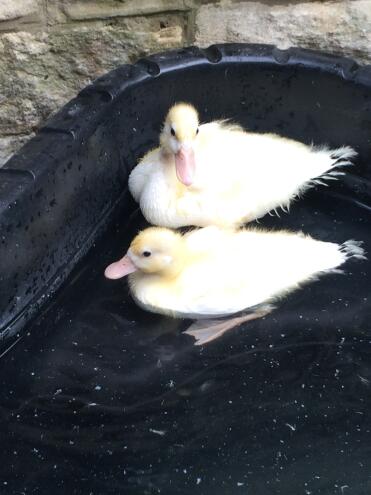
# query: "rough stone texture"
x,y
92,9
50,49
14,9
64,11
343,26
10,144
39,72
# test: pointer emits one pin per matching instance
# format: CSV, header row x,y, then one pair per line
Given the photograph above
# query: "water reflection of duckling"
x,y
214,273
219,174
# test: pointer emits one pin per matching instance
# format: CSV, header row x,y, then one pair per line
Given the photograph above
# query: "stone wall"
x,y
49,49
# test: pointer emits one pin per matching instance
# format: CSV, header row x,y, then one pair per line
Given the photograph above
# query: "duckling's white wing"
x,y
250,268
278,169
245,175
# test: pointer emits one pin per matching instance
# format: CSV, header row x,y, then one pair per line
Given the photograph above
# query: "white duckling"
x,y
212,272
219,174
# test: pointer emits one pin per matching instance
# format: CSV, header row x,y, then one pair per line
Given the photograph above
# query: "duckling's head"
x,y
154,250
178,137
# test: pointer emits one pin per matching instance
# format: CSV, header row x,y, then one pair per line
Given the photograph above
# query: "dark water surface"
x,y
103,398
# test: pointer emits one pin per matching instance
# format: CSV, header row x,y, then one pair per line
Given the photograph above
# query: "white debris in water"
x,y
239,483
158,432
292,427
198,481
97,387
364,380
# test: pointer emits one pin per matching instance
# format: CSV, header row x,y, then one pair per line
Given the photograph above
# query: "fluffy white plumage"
x,y
213,272
239,176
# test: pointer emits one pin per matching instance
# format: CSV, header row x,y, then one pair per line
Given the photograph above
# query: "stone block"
x,y
93,9
342,26
40,72
14,9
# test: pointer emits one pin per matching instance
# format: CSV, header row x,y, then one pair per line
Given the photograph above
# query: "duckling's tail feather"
x,y
353,249
344,153
332,163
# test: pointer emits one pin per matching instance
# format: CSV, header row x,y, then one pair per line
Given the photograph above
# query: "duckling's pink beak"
x,y
185,165
120,269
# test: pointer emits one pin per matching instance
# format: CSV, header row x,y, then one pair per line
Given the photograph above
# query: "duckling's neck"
x,y
174,269
165,279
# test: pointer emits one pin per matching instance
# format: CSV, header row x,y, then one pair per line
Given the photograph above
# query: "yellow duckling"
x,y
219,174
212,272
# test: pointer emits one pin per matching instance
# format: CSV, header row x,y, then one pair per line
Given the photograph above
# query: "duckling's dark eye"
x,y
197,131
146,254
172,132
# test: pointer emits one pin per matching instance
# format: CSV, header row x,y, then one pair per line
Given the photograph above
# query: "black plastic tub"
x,y
99,397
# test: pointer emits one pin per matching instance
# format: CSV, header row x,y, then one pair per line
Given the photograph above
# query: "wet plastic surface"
x,y
102,397
98,396
58,192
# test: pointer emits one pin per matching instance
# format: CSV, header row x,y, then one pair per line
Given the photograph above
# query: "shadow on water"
x,y
101,397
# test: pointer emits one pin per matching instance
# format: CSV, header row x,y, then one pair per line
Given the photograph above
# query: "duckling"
x,y
214,272
219,174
